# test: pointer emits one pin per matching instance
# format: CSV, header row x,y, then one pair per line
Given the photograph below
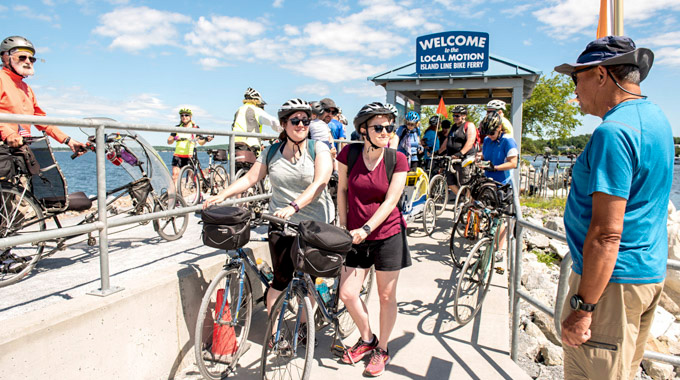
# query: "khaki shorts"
x,y
620,327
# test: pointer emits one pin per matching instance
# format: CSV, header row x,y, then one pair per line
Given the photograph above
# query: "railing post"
x,y
100,147
516,275
232,158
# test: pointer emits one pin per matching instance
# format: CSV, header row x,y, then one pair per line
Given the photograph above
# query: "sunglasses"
x,y
185,115
297,121
379,128
22,58
331,111
457,115
573,74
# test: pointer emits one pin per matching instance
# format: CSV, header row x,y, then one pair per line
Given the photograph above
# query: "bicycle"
x,y
439,188
415,202
193,180
289,326
245,157
475,277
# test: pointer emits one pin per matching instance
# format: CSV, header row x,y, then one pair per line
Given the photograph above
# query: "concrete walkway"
x,y
426,343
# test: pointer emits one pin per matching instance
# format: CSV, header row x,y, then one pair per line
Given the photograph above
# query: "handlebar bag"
x,y
320,248
221,155
225,227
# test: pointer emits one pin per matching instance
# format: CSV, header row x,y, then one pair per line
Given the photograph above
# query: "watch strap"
x,y
295,206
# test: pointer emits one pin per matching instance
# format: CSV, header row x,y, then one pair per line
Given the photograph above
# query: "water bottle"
x,y
322,288
265,269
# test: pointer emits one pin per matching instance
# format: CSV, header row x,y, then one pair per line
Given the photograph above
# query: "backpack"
x,y
390,159
478,141
311,149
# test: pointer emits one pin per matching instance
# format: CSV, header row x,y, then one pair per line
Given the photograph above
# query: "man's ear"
x,y
601,73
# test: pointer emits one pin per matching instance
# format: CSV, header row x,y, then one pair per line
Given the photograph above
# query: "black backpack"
x,y
390,159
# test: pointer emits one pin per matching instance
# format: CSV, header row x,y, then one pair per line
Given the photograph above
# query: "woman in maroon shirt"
x,y
367,206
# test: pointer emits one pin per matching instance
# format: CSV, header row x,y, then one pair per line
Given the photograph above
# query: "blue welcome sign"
x,y
452,52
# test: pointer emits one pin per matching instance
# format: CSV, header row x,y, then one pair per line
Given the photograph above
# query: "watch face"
x,y
367,229
573,302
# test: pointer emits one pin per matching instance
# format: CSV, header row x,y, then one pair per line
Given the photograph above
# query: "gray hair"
x,y
626,73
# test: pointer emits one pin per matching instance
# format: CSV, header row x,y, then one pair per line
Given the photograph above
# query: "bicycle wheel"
x,y
219,180
346,324
463,197
429,217
223,324
173,227
189,185
288,348
19,214
474,280
439,192
254,190
464,235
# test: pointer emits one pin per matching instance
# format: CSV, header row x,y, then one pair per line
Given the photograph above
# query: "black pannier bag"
x,y
225,227
6,163
221,155
320,248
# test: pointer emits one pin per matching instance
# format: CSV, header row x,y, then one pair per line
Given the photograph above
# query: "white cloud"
x,y
318,89
222,36
278,4
367,90
517,10
29,13
353,37
668,56
291,30
211,63
3,8
527,42
137,28
665,39
334,69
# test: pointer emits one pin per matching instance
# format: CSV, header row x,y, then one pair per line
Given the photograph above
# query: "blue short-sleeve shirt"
x,y
497,152
630,155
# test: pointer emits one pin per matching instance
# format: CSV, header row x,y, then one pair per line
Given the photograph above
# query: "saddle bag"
x,y
221,155
225,227
6,163
320,248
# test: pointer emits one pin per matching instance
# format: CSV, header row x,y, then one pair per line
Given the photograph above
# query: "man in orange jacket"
x,y
17,97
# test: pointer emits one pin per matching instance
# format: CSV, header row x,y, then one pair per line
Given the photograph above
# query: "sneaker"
x,y
359,350
499,255
376,366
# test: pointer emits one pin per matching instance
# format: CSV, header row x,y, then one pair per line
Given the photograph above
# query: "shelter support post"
x,y
517,101
391,97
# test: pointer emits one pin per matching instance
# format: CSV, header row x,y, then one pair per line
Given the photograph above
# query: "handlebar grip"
x,y
280,221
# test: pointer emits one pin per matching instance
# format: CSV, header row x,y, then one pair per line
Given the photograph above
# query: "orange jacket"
x,y
17,97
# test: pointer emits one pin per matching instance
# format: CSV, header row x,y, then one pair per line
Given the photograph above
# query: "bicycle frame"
x,y
237,260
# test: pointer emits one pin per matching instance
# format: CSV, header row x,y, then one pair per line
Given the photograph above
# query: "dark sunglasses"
x,y
457,115
573,74
297,121
331,111
185,115
25,57
379,128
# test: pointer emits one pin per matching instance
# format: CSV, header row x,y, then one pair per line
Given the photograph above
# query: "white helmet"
x,y
252,94
496,105
392,108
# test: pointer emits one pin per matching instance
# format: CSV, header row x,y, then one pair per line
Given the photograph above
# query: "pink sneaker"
x,y
376,366
359,350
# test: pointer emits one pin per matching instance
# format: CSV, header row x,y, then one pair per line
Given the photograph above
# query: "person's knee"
x,y
348,295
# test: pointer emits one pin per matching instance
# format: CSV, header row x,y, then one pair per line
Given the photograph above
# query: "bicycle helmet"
x,y
185,110
15,42
292,106
434,120
412,117
461,110
252,94
490,123
393,109
495,105
317,109
446,124
342,119
368,111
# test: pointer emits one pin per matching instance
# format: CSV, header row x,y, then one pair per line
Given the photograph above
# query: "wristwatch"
x,y
295,206
366,228
576,303
66,140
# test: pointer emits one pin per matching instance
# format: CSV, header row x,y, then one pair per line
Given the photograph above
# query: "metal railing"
x,y
102,224
517,293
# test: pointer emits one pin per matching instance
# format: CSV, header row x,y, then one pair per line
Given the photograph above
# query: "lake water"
x,y
81,173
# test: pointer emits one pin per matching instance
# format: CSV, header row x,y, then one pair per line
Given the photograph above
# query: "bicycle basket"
x,y
220,155
225,227
49,186
320,248
140,189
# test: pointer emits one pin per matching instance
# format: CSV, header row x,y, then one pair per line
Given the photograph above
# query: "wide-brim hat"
x,y
610,51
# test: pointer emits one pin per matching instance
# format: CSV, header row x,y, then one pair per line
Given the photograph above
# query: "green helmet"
x,y
185,110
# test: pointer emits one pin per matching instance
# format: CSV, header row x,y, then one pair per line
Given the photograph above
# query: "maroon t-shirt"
x,y
366,191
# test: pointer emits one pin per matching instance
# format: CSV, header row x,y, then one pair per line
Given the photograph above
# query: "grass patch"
x,y
547,258
544,203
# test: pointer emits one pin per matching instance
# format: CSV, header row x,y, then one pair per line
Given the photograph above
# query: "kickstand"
x,y
339,349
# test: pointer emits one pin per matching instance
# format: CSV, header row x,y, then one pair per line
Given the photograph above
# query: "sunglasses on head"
x,y
22,58
573,73
379,128
297,121
331,111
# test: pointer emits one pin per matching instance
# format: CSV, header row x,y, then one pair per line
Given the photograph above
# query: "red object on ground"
x,y
224,337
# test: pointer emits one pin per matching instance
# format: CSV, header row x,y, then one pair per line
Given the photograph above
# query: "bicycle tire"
x,y
439,192
161,225
474,281
17,262
219,180
282,356
464,235
217,361
189,186
251,191
346,325
463,197
429,217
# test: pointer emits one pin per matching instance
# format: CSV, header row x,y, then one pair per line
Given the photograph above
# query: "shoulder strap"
x,y
311,148
390,163
271,152
352,156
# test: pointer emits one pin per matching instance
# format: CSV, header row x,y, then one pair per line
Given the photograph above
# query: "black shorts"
x,y
180,162
280,247
461,177
387,255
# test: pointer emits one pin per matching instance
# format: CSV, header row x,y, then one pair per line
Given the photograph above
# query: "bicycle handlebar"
x,y
276,220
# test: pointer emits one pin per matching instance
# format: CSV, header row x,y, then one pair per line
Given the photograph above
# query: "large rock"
x,y
659,345
673,226
662,321
559,248
658,371
533,331
669,304
555,223
546,324
536,280
552,355
537,241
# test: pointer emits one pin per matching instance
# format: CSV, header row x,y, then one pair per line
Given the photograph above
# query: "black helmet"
x,y
317,109
368,111
446,124
434,120
490,123
292,106
460,109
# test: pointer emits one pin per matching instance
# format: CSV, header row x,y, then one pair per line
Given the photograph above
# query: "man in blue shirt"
x,y
330,116
616,214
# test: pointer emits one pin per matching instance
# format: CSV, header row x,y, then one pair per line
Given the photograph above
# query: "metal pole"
x,y
517,275
105,289
618,17
510,254
232,158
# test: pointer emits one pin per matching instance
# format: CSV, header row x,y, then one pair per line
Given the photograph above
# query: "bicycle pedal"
x,y
338,350
500,270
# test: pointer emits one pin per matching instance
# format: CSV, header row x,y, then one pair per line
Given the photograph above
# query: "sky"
x,y
141,61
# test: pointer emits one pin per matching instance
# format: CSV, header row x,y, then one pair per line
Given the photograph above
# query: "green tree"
x,y
548,112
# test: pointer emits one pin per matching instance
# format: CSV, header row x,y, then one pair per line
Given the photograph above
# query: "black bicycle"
x,y
193,181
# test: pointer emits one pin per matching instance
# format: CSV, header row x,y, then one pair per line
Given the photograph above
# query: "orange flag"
x,y
442,108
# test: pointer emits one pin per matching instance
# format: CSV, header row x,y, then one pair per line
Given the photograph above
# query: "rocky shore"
x,y
540,346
